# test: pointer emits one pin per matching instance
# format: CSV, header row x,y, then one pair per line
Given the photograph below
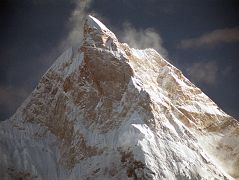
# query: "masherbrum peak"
x,y
109,111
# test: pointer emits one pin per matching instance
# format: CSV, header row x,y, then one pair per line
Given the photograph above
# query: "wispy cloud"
x,y
203,72
227,35
207,72
143,38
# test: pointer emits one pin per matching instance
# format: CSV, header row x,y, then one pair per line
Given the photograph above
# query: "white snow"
x,y
95,23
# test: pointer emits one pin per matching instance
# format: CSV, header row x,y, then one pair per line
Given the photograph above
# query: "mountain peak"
x,y
95,24
96,34
110,112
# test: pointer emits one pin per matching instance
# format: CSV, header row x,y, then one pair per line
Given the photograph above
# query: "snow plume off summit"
x,y
108,111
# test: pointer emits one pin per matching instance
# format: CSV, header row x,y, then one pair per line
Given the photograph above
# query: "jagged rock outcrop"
x,y
110,111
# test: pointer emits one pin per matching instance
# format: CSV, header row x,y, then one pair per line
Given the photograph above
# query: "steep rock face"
x,y
113,112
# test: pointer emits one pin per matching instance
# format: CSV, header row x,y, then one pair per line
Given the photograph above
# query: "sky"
x,y
200,37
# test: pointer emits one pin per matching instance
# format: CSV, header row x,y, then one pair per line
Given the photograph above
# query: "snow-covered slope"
x,y
110,111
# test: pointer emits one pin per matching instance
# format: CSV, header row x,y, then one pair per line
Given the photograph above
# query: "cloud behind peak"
x,y
218,36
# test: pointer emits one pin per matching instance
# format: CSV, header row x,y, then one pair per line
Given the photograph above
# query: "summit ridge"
x,y
95,23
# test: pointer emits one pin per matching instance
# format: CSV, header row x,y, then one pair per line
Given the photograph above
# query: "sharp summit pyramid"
x,y
109,111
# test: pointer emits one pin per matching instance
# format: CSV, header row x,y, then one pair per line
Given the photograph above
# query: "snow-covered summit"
x,y
94,23
97,34
113,112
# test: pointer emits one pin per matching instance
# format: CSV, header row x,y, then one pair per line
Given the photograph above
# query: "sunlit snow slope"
x,y
108,111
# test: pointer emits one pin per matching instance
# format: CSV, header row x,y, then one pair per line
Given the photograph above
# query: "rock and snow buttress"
x,y
108,111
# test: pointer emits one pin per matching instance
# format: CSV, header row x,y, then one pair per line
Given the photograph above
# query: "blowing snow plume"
x,y
76,23
143,38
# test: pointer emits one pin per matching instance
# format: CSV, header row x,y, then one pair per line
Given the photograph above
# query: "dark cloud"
x,y
227,35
